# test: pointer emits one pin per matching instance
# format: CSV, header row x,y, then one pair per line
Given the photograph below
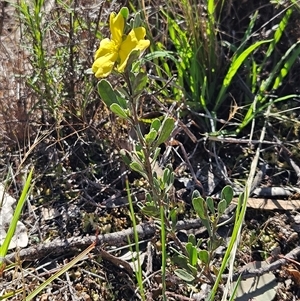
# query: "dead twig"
x,y
74,244
248,273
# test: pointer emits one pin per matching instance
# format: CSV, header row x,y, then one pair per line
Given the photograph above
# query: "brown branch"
x,y
59,246
248,273
75,244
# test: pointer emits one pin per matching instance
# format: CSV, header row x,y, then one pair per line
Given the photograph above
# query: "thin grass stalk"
x,y
138,270
247,192
69,265
163,251
15,219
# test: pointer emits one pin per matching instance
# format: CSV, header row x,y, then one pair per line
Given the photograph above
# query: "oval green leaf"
x,y
165,130
118,110
184,275
106,92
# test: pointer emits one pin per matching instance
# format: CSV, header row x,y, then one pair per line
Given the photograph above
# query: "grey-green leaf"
x,y
106,92
140,82
222,205
137,22
196,194
184,275
227,194
151,136
210,205
126,156
166,129
199,207
166,176
118,110
133,57
192,251
138,168
203,256
192,239
151,211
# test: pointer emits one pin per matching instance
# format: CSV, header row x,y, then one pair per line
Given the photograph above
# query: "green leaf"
x,y
118,110
140,155
287,65
184,275
155,124
192,269
214,243
173,218
137,22
210,205
149,198
207,225
166,176
222,205
200,207
138,168
227,194
192,239
140,82
199,242
151,210
151,136
192,251
204,256
161,53
106,92
180,260
196,194
122,92
159,185
122,102
133,57
126,156
156,154
279,31
124,11
165,130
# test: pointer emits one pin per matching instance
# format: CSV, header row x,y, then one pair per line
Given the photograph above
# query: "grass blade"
x,y
63,270
15,219
235,65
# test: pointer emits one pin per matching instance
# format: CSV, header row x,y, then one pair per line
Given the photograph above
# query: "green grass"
x,y
204,74
16,216
58,58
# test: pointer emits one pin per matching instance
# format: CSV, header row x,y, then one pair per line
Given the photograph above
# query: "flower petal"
x,y
116,24
134,41
106,47
105,58
103,65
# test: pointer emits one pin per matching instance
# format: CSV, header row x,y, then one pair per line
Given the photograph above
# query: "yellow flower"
x,y
118,48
